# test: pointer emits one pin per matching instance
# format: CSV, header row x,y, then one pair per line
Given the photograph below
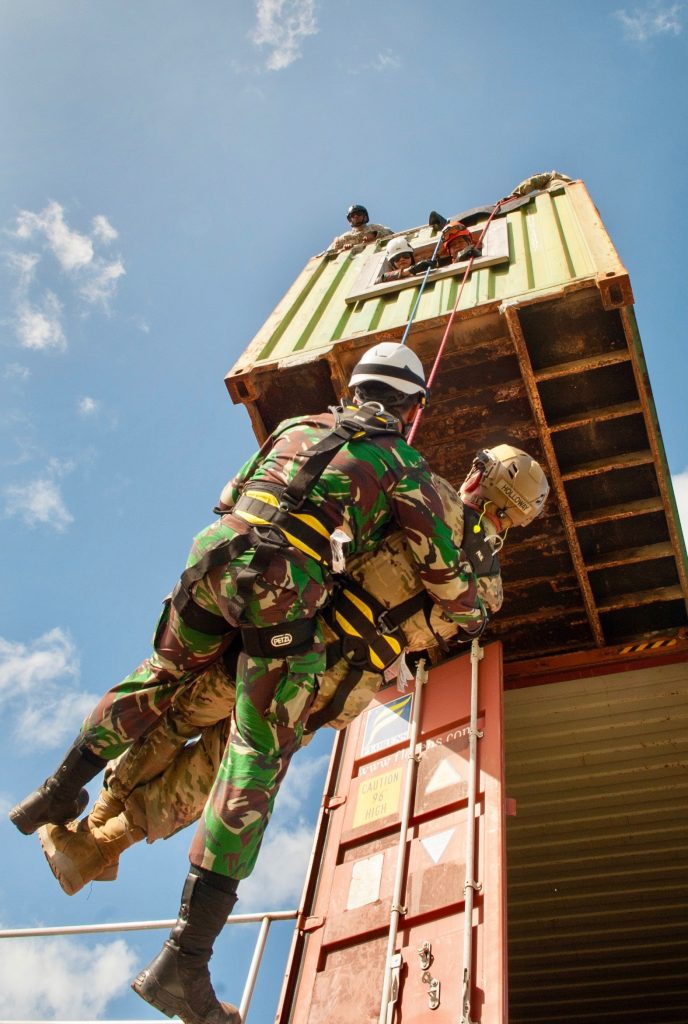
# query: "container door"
x,y
338,957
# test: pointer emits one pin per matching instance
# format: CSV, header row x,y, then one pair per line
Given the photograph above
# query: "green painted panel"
x,y
549,248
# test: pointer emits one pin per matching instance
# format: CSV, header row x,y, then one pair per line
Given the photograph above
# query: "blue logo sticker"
x,y
387,724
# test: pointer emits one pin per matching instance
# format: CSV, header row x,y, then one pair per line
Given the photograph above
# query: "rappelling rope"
x,y
421,290
448,328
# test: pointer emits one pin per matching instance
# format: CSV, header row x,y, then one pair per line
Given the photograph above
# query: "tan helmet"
x,y
511,480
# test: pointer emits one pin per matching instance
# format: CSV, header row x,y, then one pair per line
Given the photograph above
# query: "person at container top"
x,y
265,568
361,231
401,261
161,783
457,240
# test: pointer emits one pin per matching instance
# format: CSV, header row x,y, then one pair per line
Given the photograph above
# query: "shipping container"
x,y
580,911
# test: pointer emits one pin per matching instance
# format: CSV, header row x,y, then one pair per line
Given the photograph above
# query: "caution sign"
x,y
378,797
387,724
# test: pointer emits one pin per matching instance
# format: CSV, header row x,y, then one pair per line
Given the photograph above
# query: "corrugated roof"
x,y
597,855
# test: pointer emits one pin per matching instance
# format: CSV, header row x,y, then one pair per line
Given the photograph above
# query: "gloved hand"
x,y
420,268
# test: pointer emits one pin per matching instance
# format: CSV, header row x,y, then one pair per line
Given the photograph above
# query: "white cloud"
x,y
15,371
62,978
38,683
100,285
278,877
24,265
90,278
103,229
680,482
41,329
281,867
386,61
282,26
39,501
655,19
88,406
70,248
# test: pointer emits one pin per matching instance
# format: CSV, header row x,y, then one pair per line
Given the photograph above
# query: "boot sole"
x,y
64,869
146,986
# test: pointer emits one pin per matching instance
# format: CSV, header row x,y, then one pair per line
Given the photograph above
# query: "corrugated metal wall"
x,y
555,240
597,855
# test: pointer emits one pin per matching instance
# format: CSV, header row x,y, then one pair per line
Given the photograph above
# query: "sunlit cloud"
x,y
39,683
282,25
88,406
70,248
279,874
88,277
277,879
40,328
39,502
654,19
103,229
50,979
100,286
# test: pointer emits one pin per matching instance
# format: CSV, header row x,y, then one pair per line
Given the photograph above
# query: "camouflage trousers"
x,y
273,696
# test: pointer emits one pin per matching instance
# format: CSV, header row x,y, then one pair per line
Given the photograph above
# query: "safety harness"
x,y
279,517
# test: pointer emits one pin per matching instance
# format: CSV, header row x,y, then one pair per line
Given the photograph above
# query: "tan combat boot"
x,y
76,858
106,806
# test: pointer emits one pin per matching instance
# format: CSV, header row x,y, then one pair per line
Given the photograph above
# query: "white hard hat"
x,y
398,247
392,364
511,480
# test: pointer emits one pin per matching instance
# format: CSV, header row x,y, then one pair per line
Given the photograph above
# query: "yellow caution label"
x,y
378,797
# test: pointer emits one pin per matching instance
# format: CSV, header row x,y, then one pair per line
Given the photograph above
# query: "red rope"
x,y
445,338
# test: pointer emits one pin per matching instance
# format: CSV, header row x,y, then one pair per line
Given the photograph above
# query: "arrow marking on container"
x,y
435,845
444,775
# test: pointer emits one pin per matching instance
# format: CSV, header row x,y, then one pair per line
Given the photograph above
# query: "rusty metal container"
x,y
338,956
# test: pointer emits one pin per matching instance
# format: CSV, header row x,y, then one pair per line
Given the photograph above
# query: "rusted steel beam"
x,y
516,332
596,362
657,447
641,597
610,412
613,513
629,556
599,466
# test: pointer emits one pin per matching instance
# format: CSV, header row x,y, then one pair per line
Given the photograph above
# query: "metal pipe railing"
x,y
266,918
471,884
387,1003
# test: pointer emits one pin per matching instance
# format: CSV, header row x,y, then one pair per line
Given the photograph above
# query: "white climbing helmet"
x,y
392,364
509,479
398,247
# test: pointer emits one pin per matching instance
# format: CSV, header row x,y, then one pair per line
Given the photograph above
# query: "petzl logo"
x,y
281,640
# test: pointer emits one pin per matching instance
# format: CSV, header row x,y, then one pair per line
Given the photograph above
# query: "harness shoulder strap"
x,y
351,424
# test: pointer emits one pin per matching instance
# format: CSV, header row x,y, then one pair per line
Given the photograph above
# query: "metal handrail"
x,y
265,917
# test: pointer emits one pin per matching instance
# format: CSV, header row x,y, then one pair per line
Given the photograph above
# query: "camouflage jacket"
x,y
356,236
544,180
368,489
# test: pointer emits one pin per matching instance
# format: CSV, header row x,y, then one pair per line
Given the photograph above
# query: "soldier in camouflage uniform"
x,y
361,231
265,568
161,784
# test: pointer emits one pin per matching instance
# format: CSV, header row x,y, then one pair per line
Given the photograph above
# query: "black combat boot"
x,y
61,797
177,981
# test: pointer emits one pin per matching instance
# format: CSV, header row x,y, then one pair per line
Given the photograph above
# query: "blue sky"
x,y
166,170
